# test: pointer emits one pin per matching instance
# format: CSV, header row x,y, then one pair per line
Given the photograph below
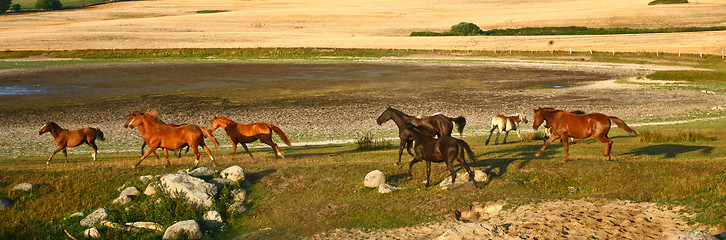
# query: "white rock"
x,y
151,189
76,214
202,172
122,200
188,229
463,177
692,235
130,191
474,231
4,204
95,217
239,195
237,208
374,179
146,178
386,188
92,233
194,190
146,225
234,173
25,187
213,219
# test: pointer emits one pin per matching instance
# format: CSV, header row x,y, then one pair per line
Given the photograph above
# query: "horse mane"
x,y
154,115
225,120
397,111
54,125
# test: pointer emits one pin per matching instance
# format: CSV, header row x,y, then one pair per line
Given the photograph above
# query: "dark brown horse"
x,y
72,138
444,149
437,125
166,137
565,124
247,133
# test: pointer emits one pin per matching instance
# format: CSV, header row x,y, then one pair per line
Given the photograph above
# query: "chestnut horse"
x,y
444,149
548,130
166,137
437,125
72,138
158,120
247,133
505,124
565,124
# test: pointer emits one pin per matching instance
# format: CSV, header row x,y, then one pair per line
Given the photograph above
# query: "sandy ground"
x,y
363,24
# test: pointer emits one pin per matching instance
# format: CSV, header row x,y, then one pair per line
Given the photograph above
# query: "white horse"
x,y
506,124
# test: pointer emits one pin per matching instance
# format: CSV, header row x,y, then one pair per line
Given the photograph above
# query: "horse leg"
x,y
400,150
166,155
148,152
206,149
606,140
65,154
234,149
449,165
428,173
496,140
549,140
248,151
95,150
462,161
519,135
410,165
53,154
409,144
195,149
566,144
490,135
506,133
268,140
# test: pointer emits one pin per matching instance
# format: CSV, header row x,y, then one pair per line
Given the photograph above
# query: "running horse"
x,y
445,149
438,125
72,138
505,124
565,124
166,137
158,120
247,133
548,130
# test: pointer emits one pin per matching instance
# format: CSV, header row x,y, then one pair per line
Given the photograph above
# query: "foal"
x,y
505,124
72,138
444,149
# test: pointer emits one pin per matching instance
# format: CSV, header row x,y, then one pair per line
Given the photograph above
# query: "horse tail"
x,y
279,133
460,123
465,146
208,134
99,134
621,124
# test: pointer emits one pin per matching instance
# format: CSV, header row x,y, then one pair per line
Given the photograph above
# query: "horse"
x,y
72,138
444,149
247,133
565,124
506,124
166,137
548,130
438,125
158,120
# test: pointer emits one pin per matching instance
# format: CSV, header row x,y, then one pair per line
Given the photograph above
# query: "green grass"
x,y
699,77
658,2
211,11
30,4
672,137
368,142
575,30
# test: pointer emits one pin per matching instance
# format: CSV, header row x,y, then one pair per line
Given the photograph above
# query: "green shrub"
x,y
5,5
656,2
48,4
465,29
15,7
367,143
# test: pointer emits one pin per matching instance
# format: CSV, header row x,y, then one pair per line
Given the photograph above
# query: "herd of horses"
x,y
428,136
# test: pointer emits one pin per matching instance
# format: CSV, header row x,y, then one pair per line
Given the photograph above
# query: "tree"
x,y
48,4
5,5
465,29
15,7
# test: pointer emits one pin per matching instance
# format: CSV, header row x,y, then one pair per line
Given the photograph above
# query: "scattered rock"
x,y
387,188
151,189
692,235
146,178
202,172
234,173
237,208
95,217
130,191
461,178
146,225
221,182
479,211
122,200
4,204
25,187
188,229
92,233
195,190
114,225
76,214
474,231
213,219
374,179
239,195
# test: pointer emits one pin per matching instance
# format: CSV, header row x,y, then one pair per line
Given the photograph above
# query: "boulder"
x,y
4,204
461,178
374,179
213,219
202,172
25,187
692,235
146,178
234,173
92,233
188,229
193,189
130,191
239,195
95,217
122,200
151,189
146,225
474,231
237,208
387,188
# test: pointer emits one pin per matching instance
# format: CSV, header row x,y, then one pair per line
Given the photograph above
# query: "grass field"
x,y
30,4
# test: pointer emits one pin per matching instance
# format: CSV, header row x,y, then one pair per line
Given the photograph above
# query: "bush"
x,y
15,7
48,4
4,5
367,143
656,2
465,29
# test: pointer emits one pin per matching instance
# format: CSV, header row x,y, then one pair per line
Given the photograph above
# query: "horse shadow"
x,y
668,150
496,163
254,178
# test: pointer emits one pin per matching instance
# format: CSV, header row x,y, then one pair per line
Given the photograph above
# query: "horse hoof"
x,y
537,155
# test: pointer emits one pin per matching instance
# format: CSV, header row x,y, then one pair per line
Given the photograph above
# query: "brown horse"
x,y
247,133
444,149
437,125
566,124
158,120
548,130
505,124
72,138
166,137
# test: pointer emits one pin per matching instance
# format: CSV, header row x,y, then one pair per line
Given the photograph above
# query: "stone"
x,y
194,190
114,225
188,229
151,189
387,188
237,208
76,214
461,178
91,233
480,211
234,173
130,191
145,225
5,204
221,182
239,195
374,179
25,187
692,235
122,200
474,231
213,219
95,217
146,178
202,172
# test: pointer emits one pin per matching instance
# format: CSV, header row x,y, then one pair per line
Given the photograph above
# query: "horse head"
x,y
385,116
538,118
45,128
215,123
523,118
133,120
